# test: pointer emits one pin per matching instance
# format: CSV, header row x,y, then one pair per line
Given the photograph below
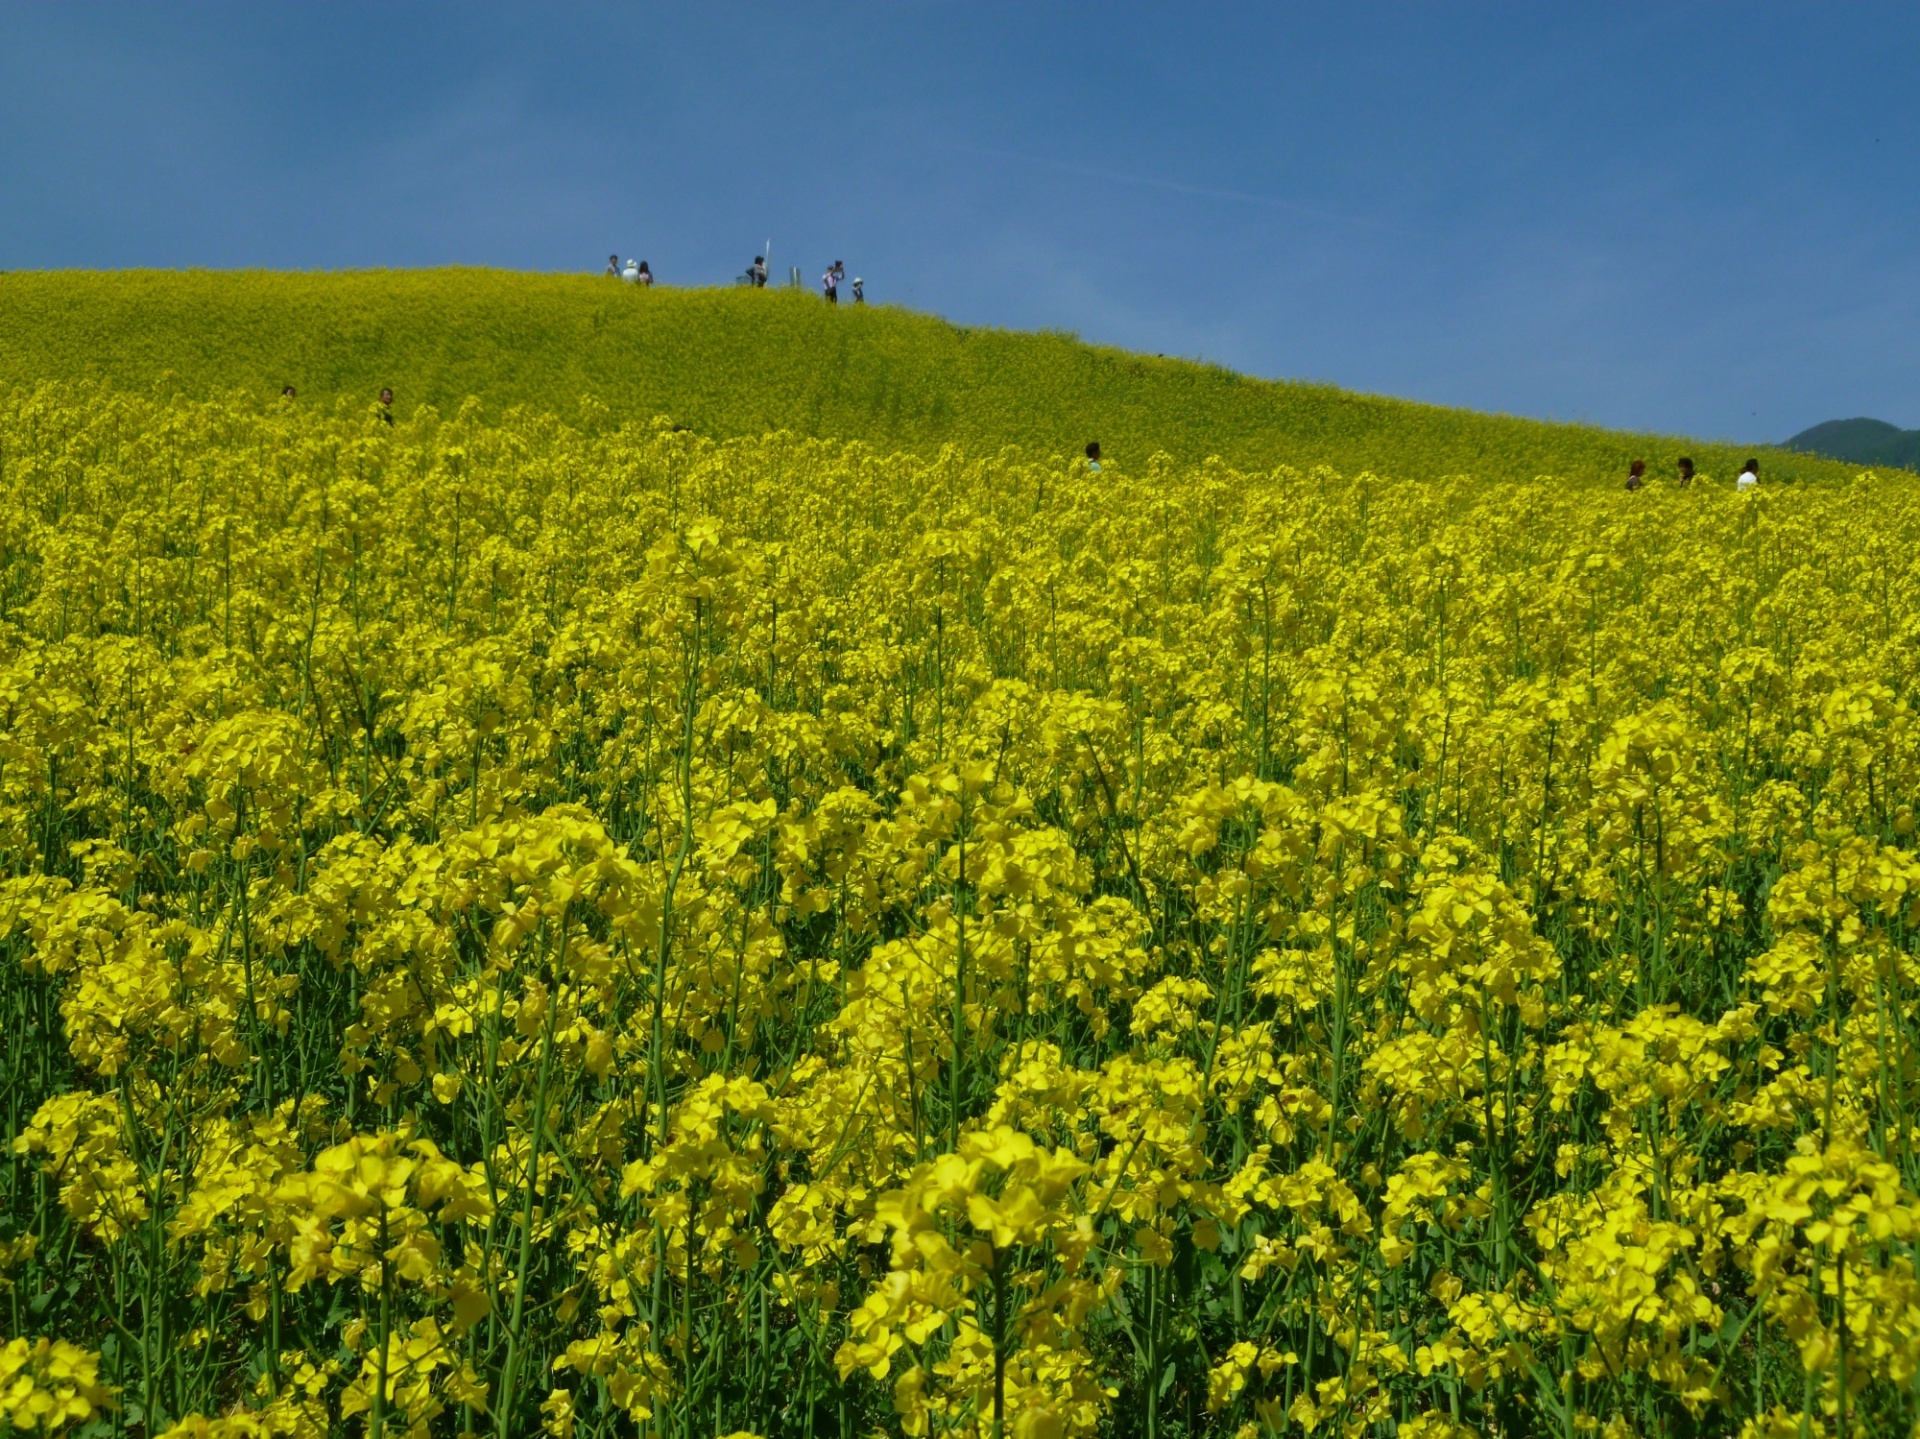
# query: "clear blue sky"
x,y
1696,218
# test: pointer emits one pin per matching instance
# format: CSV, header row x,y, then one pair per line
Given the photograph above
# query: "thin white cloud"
x,y
1323,213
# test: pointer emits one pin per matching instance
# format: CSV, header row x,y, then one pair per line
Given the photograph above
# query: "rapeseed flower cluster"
x,y
516,926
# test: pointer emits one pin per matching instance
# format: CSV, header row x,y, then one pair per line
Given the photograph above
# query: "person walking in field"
x,y
631,272
1636,474
646,276
1749,476
859,291
758,270
1686,472
830,282
613,267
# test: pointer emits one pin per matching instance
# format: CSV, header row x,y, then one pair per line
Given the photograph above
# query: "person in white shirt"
x,y
631,273
830,283
1749,477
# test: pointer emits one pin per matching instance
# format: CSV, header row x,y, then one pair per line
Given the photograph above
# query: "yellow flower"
x,y
47,1385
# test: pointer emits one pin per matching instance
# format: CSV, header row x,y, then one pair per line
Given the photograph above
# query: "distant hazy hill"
x,y
1861,442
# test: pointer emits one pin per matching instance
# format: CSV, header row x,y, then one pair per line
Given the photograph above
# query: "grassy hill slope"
x,y
733,362
1861,442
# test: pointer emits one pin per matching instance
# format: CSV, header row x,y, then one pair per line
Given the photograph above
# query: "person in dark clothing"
x,y
386,405
1636,474
1686,471
830,282
758,270
1093,456
286,392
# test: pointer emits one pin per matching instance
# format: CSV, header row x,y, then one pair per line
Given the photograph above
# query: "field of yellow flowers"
x,y
517,925
739,363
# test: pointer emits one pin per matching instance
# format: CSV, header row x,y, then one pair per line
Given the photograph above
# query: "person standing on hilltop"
x,y
830,282
631,274
758,270
859,291
646,276
1636,474
613,267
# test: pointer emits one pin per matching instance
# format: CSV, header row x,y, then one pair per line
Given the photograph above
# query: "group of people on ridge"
x,y
1637,474
831,281
636,272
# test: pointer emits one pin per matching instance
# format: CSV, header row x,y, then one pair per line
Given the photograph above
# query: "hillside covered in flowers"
x,y
517,923
740,363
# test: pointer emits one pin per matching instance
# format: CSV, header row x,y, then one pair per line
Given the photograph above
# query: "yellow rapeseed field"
x,y
731,363
519,925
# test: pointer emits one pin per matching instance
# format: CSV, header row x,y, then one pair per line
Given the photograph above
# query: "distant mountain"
x,y
1861,442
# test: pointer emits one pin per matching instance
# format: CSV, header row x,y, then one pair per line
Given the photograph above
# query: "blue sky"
x,y
1695,218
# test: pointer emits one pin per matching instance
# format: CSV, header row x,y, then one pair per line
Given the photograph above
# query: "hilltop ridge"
x,y
1861,442
731,362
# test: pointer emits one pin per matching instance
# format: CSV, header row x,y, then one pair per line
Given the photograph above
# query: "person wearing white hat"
x,y
631,272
